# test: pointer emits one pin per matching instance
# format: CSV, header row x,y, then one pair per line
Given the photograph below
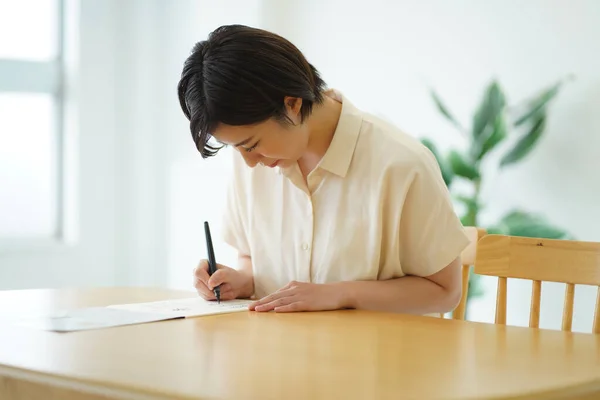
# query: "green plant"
x,y
494,124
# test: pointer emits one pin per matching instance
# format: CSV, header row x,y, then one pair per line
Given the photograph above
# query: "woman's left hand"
x,y
301,296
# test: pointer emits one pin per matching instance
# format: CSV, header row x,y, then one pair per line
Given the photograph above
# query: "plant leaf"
x,y
521,223
469,202
444,110
526,143
496,230
492,104
472,210
467,220
445,168
497,135
539,103
461,167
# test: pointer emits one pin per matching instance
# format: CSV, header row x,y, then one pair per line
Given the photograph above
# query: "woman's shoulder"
x,y
384,144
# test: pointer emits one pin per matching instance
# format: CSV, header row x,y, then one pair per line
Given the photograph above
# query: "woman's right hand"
x,y
234,284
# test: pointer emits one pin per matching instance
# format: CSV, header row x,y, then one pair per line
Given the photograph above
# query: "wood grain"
x,y
596,327
549,260
553,260
534,311
342,354
501,301
567,320
460,310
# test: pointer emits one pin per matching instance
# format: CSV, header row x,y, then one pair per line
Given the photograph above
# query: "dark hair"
x,y
240,76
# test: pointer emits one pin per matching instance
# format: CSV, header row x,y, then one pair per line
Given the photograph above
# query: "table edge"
x,y
582,391
82,385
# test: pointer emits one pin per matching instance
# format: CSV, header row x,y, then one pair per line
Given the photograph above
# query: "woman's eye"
x,y
249,149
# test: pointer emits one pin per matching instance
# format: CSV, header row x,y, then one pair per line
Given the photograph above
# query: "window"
x,y
30,118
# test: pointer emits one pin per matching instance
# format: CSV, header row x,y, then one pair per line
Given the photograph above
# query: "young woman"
x,y
329,207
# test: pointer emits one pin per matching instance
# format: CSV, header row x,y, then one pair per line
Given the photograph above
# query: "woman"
x,y
329,207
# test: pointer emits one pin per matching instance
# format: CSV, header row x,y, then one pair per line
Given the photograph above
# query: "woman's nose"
x,y
250,159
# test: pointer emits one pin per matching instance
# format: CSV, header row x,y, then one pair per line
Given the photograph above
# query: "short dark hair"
x,y
240,76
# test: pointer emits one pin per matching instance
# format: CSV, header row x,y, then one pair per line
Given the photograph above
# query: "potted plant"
x,y
495,123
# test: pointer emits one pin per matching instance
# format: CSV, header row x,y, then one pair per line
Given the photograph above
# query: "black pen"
x,y
212,263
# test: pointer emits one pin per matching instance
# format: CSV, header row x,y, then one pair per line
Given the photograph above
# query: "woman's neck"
x,y
321,127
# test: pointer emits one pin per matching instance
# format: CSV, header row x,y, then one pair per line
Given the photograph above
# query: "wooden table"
x,y
330,355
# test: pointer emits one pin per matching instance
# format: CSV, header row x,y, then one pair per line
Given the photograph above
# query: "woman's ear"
x,y
293,105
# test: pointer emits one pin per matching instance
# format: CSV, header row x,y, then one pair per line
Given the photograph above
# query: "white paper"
x,y
86,318
189,307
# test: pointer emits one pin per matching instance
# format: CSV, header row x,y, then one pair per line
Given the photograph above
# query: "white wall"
x,y
142,134
196,187
385,54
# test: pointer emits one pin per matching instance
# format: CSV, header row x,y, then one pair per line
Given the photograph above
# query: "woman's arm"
x,y
437,293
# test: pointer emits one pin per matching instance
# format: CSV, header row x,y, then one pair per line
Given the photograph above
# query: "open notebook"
x,y
124,314
189,307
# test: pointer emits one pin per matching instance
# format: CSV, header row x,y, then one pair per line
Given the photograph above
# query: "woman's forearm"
x,y
409,294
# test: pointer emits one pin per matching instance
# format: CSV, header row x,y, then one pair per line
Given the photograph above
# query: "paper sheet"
x,y
86,318
189,307
123,314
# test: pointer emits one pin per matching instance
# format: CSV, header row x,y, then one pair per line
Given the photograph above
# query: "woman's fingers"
x,y
203,290
295,306
286,287
268,299
207,294
226,292
219,277
201,272
227,295
287,290
276,300
204,283
200,280
224,277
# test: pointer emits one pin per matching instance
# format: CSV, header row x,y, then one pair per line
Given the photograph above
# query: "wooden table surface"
x,y
330,355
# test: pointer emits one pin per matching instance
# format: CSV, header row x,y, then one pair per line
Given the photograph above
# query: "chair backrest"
x,y
468,259
551,260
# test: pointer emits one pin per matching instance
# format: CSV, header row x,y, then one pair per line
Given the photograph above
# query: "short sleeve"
x,y
431,234
234,221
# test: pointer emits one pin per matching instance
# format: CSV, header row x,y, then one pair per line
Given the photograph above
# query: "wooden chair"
x,y
551,260
468,259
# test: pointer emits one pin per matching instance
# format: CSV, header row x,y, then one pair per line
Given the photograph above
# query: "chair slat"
x,y
596,328
567,321
534,312
459,312
540,260
501,302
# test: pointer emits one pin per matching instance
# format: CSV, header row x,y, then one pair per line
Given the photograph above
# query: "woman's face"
x,y
271,143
